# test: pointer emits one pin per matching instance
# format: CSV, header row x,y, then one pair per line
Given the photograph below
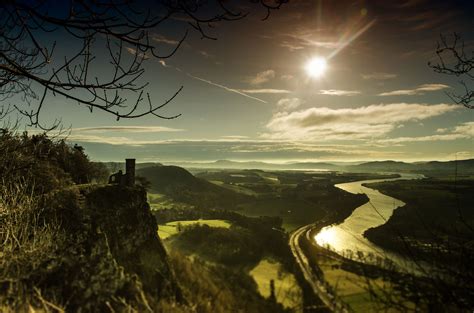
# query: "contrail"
x,y
226,88
163,63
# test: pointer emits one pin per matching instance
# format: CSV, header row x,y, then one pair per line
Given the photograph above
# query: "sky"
x,y
248,94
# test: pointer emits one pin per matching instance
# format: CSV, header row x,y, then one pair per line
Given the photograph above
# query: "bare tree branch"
x,y
453,59
119,33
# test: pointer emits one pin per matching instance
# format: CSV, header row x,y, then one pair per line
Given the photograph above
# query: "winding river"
x,y
347,238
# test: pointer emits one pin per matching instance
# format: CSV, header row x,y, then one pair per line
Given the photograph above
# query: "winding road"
x,y
347,235
313,280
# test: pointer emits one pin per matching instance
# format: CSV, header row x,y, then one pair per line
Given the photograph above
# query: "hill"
x,y
227,164
180,185
431,168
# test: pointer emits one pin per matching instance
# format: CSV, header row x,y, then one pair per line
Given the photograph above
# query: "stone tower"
x,y
130,172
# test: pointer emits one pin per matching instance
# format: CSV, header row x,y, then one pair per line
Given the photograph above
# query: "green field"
x,y
351,288
160,201
172,228
287,290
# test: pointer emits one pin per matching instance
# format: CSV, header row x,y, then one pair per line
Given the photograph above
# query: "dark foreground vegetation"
x,y
71,245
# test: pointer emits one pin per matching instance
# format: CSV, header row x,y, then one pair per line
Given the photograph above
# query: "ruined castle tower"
x,y
130,172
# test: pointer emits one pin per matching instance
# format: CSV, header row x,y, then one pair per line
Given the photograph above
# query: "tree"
x,y
121,33
453,59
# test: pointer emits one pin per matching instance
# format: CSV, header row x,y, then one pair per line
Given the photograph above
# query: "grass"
x,y
160,201
171,228
287,291
234,187
353,289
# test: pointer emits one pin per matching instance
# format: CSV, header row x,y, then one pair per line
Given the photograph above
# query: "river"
x,y
347,238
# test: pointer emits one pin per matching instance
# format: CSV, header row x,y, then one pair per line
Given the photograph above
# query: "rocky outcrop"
x,y
123,216
102,254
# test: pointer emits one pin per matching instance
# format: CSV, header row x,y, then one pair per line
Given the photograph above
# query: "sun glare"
x,y
316,67
326,236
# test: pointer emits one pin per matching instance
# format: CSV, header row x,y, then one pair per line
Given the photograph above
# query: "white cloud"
x,y
265,91
462,131
162,39
336,92
349,124
206,54
378,76
420,90
235,137
305,37
465,129
128,129
288,104
262,77
443,137
432,87
163,63
133,51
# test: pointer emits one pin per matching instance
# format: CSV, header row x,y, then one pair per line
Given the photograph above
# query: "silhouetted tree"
x,y
453,59
122,34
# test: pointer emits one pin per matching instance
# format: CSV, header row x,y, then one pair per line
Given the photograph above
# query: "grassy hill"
x,y
180,185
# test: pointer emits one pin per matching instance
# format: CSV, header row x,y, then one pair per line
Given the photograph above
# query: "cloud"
x,y
262,77
163,63
133,51
265,91
286,77
206,54
162,39
349,124
128,129
304,38
378,76
336,92
420,90
462,131
432,87
237,137
444,137
465,129
110,140
288,104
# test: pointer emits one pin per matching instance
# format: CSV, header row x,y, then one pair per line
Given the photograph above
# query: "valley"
x,y
291,199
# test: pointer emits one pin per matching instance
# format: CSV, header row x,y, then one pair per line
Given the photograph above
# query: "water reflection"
x,y
348,236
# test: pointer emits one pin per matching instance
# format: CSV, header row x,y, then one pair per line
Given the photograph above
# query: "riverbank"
x,y
347,237
345,285
438,213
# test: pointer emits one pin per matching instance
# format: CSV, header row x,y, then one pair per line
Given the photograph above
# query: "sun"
x,y
316,67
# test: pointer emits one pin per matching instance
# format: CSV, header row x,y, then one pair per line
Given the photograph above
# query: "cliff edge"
x,y
98,251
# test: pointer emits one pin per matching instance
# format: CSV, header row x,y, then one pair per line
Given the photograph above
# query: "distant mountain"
x,y
462,167
384,166
180,185
116,166
227,164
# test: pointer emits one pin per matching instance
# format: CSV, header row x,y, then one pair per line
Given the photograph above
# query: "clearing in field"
x,y
287,290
